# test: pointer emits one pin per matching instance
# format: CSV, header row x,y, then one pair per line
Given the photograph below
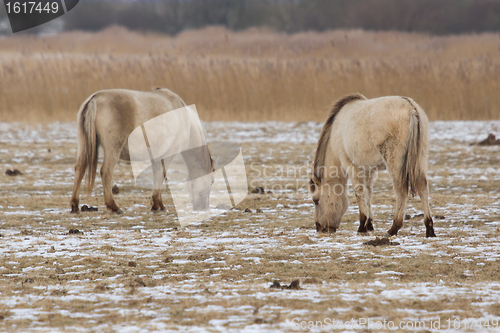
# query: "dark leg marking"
x,y
362,223
157,206
369,225
332,229
114,208
74,205
395,228
329,229
74,208
429,227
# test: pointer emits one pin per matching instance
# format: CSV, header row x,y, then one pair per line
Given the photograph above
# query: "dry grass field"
x,y
140,271
253,75
269,93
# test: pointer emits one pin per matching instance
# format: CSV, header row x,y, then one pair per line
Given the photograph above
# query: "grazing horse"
x,y
360,136
108,117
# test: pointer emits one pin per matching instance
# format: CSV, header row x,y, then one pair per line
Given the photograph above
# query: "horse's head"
x,y
330,201
199,191
200,187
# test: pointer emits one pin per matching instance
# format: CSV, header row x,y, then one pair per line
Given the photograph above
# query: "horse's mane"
x,y
324,138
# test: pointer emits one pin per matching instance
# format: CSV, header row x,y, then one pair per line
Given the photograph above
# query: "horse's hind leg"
x,y
399,209
158,176
401,190
369,189
423,192
110,159
79,173
391,152
394,164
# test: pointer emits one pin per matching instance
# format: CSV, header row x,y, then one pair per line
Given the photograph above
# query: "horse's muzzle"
x,y
326,229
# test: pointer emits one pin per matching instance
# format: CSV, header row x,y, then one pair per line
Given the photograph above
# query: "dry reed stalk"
x,y
252,75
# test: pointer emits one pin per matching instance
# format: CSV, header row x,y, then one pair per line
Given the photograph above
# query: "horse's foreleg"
x,y
79,173
360,191
369,191
423,192
359,183
158,175
108,165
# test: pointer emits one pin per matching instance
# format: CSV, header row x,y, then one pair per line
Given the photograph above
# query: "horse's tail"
x,y
88,145
412,158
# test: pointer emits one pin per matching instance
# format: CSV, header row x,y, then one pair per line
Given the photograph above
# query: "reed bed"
x,y
253,75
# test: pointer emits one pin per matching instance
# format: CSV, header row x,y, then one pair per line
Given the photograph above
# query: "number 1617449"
x,y
32,7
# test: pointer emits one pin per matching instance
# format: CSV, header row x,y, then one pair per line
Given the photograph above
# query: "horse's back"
x,y
134,107
363,126
120,111
128,109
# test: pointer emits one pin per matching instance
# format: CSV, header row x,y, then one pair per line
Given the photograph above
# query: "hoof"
x,y
362,224
157,208
114,208
362,230
74,206
330,230
430,233
429,227
392,232
369,225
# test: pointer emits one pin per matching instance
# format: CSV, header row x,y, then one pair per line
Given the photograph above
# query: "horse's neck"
x,y
196,136
333,168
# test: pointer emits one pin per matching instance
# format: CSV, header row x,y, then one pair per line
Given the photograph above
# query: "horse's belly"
x,y
365,157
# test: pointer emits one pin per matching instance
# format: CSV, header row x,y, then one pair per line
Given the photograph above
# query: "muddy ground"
x,y
142,271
